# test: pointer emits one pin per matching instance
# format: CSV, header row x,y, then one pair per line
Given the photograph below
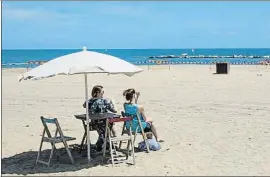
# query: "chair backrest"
x,y
54,121
133,111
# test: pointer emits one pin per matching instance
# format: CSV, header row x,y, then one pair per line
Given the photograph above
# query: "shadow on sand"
x,y
25,163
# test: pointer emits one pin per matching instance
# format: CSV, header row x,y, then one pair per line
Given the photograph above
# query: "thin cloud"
x,y
26,14
19,13
124,10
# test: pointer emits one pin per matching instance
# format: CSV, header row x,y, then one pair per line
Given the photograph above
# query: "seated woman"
x,y
131,107
97,104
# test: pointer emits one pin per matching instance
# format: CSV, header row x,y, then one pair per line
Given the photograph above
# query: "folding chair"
x,y
115,158
53,140
139,128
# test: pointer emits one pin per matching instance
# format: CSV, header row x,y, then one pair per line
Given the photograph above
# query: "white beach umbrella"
x,y
83,62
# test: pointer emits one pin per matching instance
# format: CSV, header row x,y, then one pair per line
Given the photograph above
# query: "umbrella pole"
x,y
87,119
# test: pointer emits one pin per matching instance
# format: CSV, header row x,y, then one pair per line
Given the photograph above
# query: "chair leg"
x,y
135,134
82,143
57,152
132,146
132,151
40,146
128,145
111,151
144,139
68,151
123,130
53,146
39,151
105,141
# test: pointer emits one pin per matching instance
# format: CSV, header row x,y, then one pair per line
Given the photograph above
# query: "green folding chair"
x,y
53,140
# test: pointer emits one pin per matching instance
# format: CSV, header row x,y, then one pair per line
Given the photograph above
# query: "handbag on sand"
x,y
153,145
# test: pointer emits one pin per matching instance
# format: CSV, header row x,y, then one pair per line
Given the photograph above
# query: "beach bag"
x,y
153,145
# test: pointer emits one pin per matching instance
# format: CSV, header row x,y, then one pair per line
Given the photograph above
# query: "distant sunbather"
x,y
132,107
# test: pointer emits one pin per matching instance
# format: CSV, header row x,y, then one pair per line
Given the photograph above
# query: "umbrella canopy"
x,y
81,63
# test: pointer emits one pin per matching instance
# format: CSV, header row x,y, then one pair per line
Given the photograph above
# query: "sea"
x,y
19,58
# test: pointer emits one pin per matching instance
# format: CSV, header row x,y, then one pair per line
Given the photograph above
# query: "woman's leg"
x,y
154,130
100,141
149,120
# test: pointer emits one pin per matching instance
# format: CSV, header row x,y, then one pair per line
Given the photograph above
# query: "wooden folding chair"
x,y
112,140
53,140
135,117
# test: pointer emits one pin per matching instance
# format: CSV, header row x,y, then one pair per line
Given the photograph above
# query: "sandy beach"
x,y
212,124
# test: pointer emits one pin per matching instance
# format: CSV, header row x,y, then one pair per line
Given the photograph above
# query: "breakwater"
x,y
207,56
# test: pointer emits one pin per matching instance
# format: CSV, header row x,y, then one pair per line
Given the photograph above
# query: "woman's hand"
x,y
138,94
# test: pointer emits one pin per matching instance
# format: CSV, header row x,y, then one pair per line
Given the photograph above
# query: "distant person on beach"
x,y
98,104
132,107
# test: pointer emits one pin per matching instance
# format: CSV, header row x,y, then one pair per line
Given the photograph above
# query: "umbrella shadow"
x,y
25,163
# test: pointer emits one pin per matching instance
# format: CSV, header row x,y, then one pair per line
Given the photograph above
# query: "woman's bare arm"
x,y
142,111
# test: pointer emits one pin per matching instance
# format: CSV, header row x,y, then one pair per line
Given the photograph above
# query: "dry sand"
x,y
211,124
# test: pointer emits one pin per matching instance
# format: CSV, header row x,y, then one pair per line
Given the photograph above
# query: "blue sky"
x,y
70,24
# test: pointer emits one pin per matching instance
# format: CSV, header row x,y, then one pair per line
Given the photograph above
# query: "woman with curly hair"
x,y
98,104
